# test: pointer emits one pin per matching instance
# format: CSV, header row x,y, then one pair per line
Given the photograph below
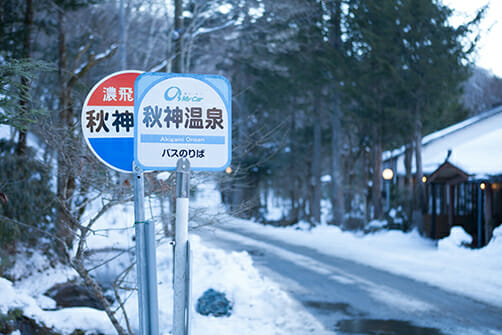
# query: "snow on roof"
x,y
481,155
461,125
475,146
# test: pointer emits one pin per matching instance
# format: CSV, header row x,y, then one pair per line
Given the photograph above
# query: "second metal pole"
x,y
145,261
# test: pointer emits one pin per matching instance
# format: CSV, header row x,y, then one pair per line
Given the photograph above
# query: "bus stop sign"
x,y
182,116
108,120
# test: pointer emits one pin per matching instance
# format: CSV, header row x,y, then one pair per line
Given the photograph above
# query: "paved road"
x,y
352,298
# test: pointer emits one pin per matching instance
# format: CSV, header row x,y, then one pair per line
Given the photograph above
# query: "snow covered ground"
x,y
259,304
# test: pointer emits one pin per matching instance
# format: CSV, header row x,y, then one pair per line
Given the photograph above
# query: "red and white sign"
x,y
108,120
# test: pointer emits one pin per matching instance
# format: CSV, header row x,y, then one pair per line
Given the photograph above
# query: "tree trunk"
x,y
24,100
123,36
408,181
366,191
178,31
337,194
294,192
376,194
419,194
65,178
420,188
316,163
241,119
164,217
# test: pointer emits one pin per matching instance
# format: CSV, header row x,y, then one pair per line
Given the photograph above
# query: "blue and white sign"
x,y
182,116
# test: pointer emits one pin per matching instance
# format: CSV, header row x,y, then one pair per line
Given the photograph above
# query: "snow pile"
x,y
64,320
34,275
259,305
457,238
376,224
495,245
11,298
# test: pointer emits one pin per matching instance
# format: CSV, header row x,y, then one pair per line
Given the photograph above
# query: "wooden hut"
x,y
462,166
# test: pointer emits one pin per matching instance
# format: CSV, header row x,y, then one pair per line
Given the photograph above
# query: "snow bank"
x,y
259,304
65,320
457,238
11,298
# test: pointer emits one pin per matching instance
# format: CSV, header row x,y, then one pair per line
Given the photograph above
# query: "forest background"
x,y
320,90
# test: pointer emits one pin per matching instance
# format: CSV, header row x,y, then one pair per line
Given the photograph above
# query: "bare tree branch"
x,y
92,284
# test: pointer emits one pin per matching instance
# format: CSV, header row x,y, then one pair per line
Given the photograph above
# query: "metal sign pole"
x,y
145,261
181,319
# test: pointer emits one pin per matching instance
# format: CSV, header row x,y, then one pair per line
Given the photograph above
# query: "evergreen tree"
x,y
435,64
407,67
294,72
28,201
336,53
375,61
16,24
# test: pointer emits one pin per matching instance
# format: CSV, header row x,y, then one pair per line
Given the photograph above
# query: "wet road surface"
x,y
352,298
